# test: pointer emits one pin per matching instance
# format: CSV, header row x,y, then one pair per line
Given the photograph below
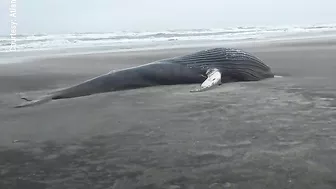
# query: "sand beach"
x,y
277,133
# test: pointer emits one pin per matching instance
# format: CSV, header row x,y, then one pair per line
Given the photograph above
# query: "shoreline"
x,y
29,56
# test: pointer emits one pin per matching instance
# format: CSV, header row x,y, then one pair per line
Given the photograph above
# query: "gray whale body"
x,y
211,67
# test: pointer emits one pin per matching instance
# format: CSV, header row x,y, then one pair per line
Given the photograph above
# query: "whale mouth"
x,y
278,76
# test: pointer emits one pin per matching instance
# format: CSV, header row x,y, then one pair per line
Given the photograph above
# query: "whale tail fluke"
x,y
28,102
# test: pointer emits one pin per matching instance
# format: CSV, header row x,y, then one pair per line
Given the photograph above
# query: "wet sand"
x,y
277,133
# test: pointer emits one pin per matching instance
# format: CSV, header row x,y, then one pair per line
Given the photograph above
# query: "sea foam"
x,y
39,42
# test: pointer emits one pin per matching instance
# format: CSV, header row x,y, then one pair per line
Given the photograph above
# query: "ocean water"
x,y
32,45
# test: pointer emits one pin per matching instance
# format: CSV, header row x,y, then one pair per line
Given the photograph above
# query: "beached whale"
x,y
209,67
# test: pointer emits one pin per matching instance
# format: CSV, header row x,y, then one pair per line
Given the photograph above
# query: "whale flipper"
x,y
213,79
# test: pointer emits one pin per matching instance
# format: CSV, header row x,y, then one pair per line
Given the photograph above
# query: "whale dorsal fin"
x,y
214,77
